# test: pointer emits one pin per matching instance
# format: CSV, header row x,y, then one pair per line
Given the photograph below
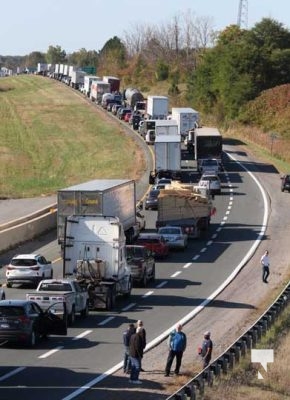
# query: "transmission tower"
x,y
243,14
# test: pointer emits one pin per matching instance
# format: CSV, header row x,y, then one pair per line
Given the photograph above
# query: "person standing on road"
x,y
126,341
136,354
177,346
143,334
206,349
265,262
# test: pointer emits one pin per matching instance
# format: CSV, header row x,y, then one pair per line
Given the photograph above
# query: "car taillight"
x,y
10,268
23,319
35,268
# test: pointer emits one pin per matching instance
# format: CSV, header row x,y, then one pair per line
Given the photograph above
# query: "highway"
x,y
59,366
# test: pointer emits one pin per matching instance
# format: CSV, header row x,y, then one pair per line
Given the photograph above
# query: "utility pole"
x,y
242,21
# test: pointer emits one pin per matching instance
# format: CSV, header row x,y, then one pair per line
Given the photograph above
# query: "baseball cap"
x,y
207,333
139,322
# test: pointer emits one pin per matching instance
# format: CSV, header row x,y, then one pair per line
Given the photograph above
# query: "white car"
x,y
28,268
212,182
209,165
174,237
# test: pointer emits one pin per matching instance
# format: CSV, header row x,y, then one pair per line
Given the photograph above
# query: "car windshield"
x,y
209,178
23,262
170,231
56,287
209,162
147,240
154,193
134,252
11,311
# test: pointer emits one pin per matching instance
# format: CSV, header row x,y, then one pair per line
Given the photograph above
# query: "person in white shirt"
x,y
265,262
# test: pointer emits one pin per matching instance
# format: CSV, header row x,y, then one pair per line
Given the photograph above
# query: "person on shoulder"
x,y
143,334
126,341
265,262
177,345
136,354
206,349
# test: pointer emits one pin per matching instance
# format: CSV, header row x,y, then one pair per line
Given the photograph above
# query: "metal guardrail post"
x,y
216,368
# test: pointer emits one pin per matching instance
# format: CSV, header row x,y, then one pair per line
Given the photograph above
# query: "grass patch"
x,y
52,138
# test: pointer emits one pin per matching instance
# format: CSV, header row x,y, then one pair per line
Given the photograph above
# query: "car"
x,y
122,112
154,242
212,182
28,268
141,262
151,200
165,181
23,321
209,165
135,120
127,116
285,183
141,221
115,108
174,236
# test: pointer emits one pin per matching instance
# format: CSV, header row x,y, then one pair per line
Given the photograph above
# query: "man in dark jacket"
x,y
177,345
126,340
136,354
143,334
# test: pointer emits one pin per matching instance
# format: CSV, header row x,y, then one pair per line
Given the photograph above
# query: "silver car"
x,y
174,237
212,182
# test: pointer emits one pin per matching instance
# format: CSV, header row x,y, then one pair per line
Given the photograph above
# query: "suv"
x,y
28,268
212,182
285,183
209,165
174,236
142,264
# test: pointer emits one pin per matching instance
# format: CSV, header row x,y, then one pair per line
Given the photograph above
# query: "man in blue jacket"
x,y
177,345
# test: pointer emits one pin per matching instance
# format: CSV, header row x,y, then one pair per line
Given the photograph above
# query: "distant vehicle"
x,y
115,108
154,242
165,181
151,200
142,263
174,236
209,165
23,321
135,120
150,136
28,268
285,183
127,116
212,182
122,112
208,143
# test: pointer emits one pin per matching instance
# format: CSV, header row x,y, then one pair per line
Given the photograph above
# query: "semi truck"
x,y
167,149
157,107
114,83
100,197
98,89
77,78
187,119
88,79
131,96
186,206
95,256
207,145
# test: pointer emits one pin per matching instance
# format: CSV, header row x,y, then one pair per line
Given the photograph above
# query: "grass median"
x,y
52,137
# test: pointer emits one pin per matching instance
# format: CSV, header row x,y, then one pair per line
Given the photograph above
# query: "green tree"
x,y
55,55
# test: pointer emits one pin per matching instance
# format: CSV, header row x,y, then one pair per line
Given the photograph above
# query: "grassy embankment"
x,y
50,137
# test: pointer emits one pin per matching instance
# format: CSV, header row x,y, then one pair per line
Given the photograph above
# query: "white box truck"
x,y
187,118
157,107
98,88
100,197
88,79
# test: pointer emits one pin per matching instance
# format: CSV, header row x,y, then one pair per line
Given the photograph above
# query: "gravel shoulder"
x,y
228,316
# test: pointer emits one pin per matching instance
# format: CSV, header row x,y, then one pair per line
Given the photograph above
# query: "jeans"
x,y
135,368
266,272
127,361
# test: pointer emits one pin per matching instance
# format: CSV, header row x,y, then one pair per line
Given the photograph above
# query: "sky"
x,y
33,25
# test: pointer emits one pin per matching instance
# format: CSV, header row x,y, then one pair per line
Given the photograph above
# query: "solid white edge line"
x,y
194,312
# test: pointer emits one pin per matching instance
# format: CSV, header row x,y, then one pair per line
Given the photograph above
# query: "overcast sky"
x,y
33,25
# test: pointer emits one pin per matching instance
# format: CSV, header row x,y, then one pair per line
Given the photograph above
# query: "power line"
x,y
242,21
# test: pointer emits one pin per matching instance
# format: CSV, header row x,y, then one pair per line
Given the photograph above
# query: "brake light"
x,y
23,319
35,268
10,268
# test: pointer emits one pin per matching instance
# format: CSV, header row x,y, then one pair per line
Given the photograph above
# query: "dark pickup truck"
x,y
142,264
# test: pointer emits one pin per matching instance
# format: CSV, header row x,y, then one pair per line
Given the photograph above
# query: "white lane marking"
x,y
81,335
11,373
187,265
161,284
147,294
175,274
209,243
129,306
203,250
49,353
214,236
219,229
106,321
195,257
227,212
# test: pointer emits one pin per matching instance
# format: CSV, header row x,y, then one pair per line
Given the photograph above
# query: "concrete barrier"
x,y
19,231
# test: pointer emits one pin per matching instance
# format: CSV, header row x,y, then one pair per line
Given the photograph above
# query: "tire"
x,y
109,299
8,284
51,274
85,311
72,317
129,289
31,342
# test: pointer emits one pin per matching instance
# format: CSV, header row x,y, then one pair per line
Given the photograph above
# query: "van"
x,y
150,136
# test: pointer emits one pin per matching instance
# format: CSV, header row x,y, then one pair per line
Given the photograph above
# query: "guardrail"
x,y
195,388
26,228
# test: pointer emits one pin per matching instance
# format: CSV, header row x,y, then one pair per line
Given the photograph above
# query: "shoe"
x,y
166,374
136,382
